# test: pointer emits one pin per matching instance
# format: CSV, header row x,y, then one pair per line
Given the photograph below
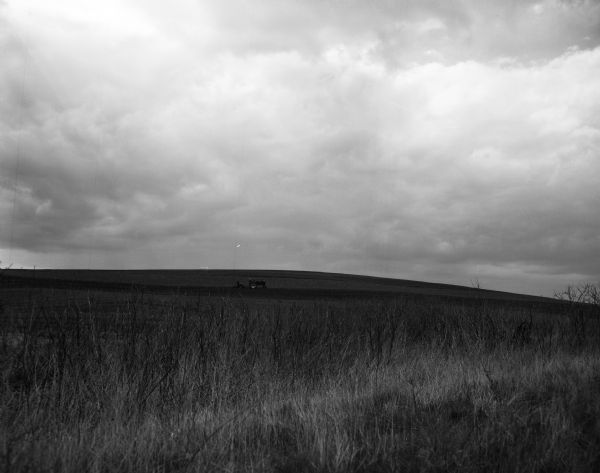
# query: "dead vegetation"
x,y
147,383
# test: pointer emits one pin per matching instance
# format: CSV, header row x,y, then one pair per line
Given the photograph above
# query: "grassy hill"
x,y
319,372
284,284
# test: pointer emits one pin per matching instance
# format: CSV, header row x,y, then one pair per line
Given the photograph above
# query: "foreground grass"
x,y
174,384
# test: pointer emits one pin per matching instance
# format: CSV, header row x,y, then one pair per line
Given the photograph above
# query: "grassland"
x,y
139,381
280,284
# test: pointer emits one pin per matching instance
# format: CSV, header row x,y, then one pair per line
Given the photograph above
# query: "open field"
x,y
280,284
100,379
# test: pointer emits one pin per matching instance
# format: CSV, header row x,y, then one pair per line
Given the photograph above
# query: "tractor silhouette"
x,y
255,283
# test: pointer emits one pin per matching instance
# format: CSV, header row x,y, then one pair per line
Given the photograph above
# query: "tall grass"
x,y
148,383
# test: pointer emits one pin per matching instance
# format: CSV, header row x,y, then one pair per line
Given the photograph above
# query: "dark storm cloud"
x,y
431,140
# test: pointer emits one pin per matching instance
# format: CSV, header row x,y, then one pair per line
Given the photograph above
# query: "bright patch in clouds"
x,y
413,139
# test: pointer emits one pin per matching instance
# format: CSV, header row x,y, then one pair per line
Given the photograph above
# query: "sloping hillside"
x,y
278,283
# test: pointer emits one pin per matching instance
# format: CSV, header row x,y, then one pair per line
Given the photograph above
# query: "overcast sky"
x,y
431,140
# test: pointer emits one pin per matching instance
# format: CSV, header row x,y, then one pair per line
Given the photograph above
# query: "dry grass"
x,y
177,384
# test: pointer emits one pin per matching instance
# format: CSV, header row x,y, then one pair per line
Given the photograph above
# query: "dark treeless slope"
x,y
284,284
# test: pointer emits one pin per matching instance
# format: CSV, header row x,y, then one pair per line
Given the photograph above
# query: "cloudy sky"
x,y
432,140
